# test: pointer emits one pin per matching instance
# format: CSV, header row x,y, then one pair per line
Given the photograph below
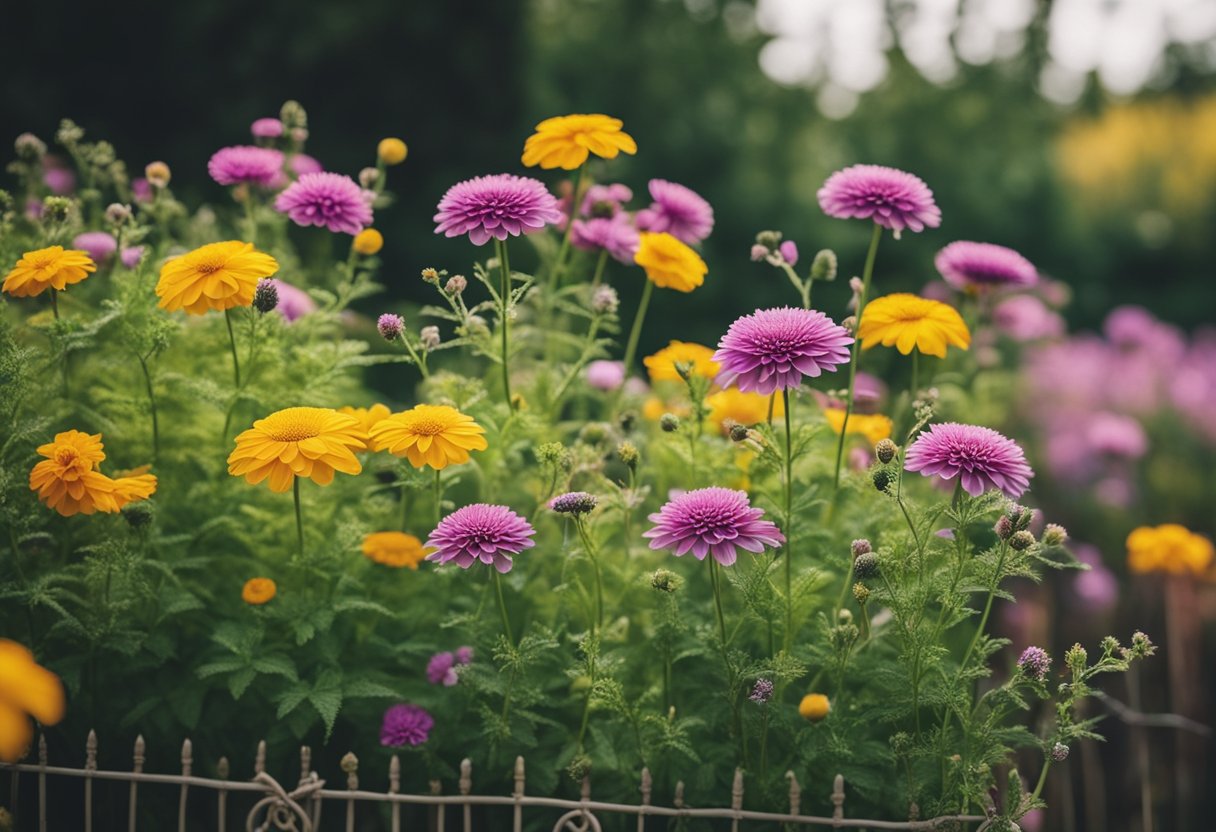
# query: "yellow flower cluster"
x,y
69,481
25,688
396,549
1169,548
873,426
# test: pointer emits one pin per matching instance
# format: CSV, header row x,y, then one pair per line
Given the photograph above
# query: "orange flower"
x,y
1168,548
662,365
25,688
53,267
69,482
395,549
367,416
215,276
429,435
310,442
258,591
566,141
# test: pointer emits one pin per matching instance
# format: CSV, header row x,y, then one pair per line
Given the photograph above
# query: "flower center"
x,y
66,456
295,424
210,266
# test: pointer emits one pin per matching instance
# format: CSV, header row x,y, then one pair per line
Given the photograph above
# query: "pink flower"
x,y
328,200
968,265
980,456
245,164
605,375
480,532
97,244
495,206
680,211
266,128
773,349
892,198
713,520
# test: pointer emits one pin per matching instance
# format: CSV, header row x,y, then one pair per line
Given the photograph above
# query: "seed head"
x,y
885,450
669,422
266,296
866,565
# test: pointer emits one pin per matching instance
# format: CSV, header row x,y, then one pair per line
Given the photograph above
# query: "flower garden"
x,y
244,496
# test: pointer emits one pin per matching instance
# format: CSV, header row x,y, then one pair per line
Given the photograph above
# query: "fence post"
x,y
394,786
90,765
42,783
137,768
222,770
466,785
436,789
736,799
350,764
187,768
838,800
795,793
647,784
518,794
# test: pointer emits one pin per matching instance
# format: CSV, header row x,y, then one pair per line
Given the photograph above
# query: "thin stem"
x,y
504,313
996,579
295,487
559,262
143,363
55,302
715,581
787,642
861,306
634,334
1043,779
599,580
438,498
405,505
419,361
599,268
502,608
251,218
236,364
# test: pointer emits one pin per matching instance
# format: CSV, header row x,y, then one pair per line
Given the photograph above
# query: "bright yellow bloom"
x,y
310,442
54,268
392,151
69,482
215,276
369,241
367,416
565,141
734,407
814,706
434,435
873,426
1168,548
662,365
25,688
258,591
395,549
654,408
906,321
669,263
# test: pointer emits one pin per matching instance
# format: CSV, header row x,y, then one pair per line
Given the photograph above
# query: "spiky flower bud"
x,y
881,479
823,267
1003,527
1059,752
1076,658
627,453
850,324
29,147
292,114
138,514
456,284
860,547
390,326
368,177
1021,541
866,565
769,239
580,767
605,301
738,432
266,296
665,581
56,209
430,276
1054,535
574,502
550,453
861,593
901,742
429,336
117,213
1141,645
762,691
885,451
1034,663
157,174
669,422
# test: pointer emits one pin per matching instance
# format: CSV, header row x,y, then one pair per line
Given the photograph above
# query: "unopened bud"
x,y
605,301
882,478
860,547
266,296
29,147
429,336
758,253
1003,528
738,432
669,422
823,267
1021,541
665,581
117,213
866,566
456,284
368,177
1054,535
885,450
390,326
1059,752
430,276
861,593
627,453
157,174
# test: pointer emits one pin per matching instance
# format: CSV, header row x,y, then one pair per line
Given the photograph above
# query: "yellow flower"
x,y
54,267
654,408
369,241
732,406
215,276
669,263
873,426
25,688
662,365
158,174
367,416
434,435
392,151
258,591
565,141
310,442
906,321
395,549
814,706
69,482
1168,548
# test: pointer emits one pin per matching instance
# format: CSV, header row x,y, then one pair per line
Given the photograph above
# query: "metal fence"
x,y
299,809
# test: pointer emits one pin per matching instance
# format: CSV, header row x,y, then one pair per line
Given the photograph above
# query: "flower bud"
x,y
665,581
138,514
392,151
429,336
1141,645
628,420
349,763
266,296
579,768
738,432
758,253
456,284
669,422
56,209
789,252
550,453
1034,663
881,479
367,242
860,547
368,177
814,707
1054,535
1059,752
29,147
850,324
866,565
627,452
157,174
1021,541
390,326
117,213
762,691
292,114
769,239
574,502
684,369
1003,528
299,135
1076,658
605,301
430,276
885,450
823,267
861,593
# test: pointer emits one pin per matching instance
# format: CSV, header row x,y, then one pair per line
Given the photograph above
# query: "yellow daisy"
x,y
662,365
1168,548
216,276
905,321
873,426
367,416
434,435
565,141
395,549
25,688
68,480
310,442
669,263
369,241
53,268
258,591
734,407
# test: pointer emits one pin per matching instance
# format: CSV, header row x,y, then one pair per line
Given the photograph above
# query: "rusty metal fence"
x,y
299,808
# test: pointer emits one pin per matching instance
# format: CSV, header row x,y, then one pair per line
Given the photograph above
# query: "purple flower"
x,y
266,128
141,190
574,502
789,252
1112,434
131,255
245,164
616,235
442,668
405,725
302,163
464,655
390,326
892,198
61,181
762,691
480,532
1035,663
97,244
712,520
680,211
1026,318
605,200
772,349
606,375
495,206
1096,588
967,265
982,457
330,200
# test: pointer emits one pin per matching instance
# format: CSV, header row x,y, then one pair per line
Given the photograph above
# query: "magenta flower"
x,y
1035,663
480,532
330,200
574,502
405,725
789,252
605,375
266,128
1026,318
680,211
61,181
605,200
131,255
495,206
97,244
980,456
464,655
442,669
245,164
390,326
892,198
294,303
772,349
712,520
302,163
616,235
141,190
967,265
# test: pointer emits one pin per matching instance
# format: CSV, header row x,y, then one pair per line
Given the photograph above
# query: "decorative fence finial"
x,y
187,758
259,761
679,798
838,797
394,775
90,751
795,793
138,757
466,775
519,778
222,768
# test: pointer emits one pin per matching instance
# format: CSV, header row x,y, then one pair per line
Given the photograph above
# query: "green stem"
x,y
599,581
1043,780
996,579
295,487
559,262
634,334
787,642
251,218
405,506
502,608
715,582
599,268
504,314
419,361
236,364
55,302
861,306
143,363
438,498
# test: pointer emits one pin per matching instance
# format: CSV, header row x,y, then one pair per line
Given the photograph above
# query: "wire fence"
x,y
299,808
